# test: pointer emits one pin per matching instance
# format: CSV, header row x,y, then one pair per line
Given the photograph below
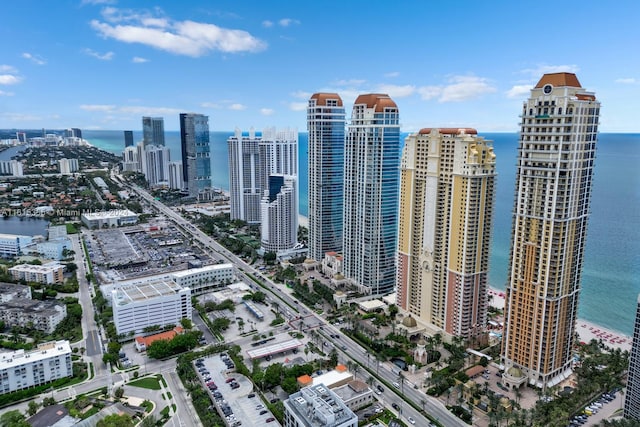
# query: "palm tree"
x,y
370,381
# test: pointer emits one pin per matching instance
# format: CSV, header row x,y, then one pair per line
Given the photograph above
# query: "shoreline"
x,y
586,329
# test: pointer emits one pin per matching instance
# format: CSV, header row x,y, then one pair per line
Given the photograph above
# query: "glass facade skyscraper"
x,y
196,162
152,131
326,126
371,180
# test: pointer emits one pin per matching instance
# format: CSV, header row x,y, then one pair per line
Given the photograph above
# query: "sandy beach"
x,y
585,329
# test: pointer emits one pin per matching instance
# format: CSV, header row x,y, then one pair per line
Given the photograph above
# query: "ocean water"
x,y
611,275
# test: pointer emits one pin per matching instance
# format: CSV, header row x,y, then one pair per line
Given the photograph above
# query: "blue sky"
x,y
103,64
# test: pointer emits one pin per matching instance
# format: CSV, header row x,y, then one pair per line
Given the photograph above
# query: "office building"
x,y
556,153
109,219
279,219
447,182
157,159
326,126
196,163
175,175
244,185
154,303
317,406
371,177
12,245
204,279
48,362
632,396
48,274
128,138
152,131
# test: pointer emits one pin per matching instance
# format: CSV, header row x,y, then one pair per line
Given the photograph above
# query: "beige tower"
x,y
446,207
556,154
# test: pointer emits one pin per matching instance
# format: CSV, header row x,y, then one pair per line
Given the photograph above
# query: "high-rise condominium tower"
x,y
446,207
372,160
279,214
244,185
556,154
632,397
156,161
326,125
196,163
128,138
153,130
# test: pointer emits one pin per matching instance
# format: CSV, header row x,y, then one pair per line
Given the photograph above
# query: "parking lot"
x,y
249,411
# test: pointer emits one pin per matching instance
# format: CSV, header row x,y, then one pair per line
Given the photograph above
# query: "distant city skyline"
x,y
249,64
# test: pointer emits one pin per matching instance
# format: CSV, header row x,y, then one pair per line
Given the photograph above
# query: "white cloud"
x,y
517,91
9,79
285,22
546,69
36,59
210,105
267,24
301,94
298,106
627,81
459,88
97,107
396,91
101,56
8,69
139,60
392,74
349,82
18,117
3,93
267,111
187,38
237,107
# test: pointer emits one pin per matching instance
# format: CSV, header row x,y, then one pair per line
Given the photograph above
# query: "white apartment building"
x,y
244,183
42,315
11,167
160,303
68,166
205,278
279,213
317,406
47,273
175,175
130,161
20,369
113,218
156,158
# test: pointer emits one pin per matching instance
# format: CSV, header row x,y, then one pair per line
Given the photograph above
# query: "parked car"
x,y
395,406
269,420
230,379
264,411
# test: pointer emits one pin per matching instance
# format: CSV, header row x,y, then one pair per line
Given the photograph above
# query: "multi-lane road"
x,y
353,350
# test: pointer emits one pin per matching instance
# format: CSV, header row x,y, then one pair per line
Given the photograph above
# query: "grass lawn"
x,y
151,383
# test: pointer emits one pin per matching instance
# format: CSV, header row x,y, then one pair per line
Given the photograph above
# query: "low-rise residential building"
x,y
332,264
49,273
317,406
156,303
11,245
42,315
356,394
10,291
143,343
108,219
205,278
20,369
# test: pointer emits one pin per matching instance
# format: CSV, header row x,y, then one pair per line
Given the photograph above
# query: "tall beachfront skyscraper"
x,y
196,163
632,397
152,131
371,176
244,185
128,138
447,192
556,153
279,214
326,126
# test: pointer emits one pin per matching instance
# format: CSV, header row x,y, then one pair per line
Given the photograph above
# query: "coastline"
x,y
586,330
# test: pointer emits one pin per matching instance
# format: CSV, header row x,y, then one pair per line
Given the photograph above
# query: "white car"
x,y
411,420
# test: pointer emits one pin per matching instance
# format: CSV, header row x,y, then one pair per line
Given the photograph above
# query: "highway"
x,y
354,351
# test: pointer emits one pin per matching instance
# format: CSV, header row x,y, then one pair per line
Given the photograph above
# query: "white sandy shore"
x,y
585,329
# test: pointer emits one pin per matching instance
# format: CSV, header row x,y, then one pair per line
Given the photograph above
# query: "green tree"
x,y
119,392
32,408
186,323
13,419
115,420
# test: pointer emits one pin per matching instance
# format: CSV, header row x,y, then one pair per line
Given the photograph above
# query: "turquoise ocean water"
x,y
611,276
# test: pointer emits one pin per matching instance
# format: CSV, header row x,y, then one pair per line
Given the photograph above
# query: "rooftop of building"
x,y
44,351
449,131
44,268
321,98
319,406
50,416
351,390
192,271
6,236
6,288
378,101
29,306
559,79
145,291
167,335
